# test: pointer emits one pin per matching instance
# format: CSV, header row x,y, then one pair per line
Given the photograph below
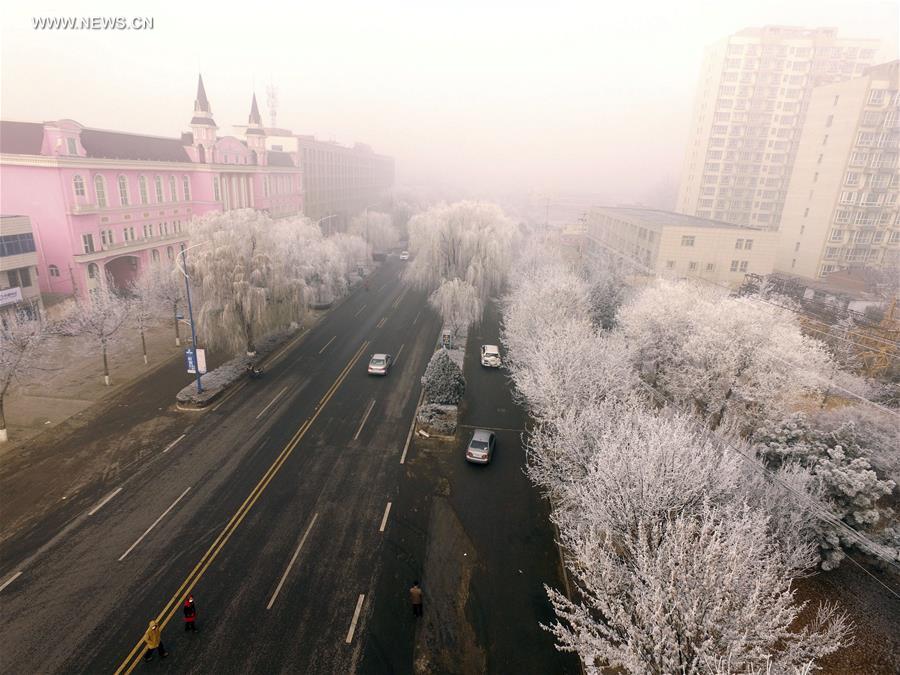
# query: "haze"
x,y
514,97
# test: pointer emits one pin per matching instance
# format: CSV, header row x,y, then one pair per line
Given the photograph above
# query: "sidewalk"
x,y
75,382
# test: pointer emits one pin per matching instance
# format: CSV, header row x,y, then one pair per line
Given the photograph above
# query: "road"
x,y
272,509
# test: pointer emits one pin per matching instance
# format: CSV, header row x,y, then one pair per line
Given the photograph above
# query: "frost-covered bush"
x,y
437,419
849,485
444,381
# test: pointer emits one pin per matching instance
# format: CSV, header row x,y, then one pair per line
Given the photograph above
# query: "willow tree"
x,y
243,265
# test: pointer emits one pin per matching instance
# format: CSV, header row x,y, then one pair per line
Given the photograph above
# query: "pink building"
x,y
110,202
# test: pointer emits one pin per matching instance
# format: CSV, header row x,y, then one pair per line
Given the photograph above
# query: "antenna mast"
x,y
272,101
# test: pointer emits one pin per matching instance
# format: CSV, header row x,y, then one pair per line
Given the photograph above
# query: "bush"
x,y
444,381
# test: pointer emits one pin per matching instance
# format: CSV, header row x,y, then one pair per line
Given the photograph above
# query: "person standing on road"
x,y
154,641
190,614
415,596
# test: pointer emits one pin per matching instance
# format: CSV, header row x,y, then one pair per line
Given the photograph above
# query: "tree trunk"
x,y
105,365
175,315
3,435
144,345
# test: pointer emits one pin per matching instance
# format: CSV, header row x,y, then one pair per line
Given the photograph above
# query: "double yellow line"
x,y
134,657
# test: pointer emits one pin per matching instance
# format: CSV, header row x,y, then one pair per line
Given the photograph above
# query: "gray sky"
x,y
491,96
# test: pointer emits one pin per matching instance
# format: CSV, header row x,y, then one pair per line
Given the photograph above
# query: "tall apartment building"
x,y
749,109
338,181
679,245
841,210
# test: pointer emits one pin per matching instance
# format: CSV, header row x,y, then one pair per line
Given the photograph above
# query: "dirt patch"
x,y
445,640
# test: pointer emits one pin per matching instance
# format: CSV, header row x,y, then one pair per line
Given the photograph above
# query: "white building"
x,y
679,245
749,108
841,210
19,290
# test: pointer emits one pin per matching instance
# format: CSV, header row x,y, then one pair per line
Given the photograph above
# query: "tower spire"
x,y
201,103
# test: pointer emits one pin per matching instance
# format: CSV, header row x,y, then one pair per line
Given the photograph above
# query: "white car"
x,y
379,364
404,255
490,356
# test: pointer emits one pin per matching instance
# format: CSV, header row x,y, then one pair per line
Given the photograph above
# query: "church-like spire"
x,y
201,103
254,113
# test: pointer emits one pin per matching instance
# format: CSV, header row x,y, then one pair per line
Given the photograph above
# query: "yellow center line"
x,y
212,552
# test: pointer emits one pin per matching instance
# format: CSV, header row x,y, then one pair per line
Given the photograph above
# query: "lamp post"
x,y
187,285
320,220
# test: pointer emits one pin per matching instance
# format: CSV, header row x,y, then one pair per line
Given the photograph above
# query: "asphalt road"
x,y
272,509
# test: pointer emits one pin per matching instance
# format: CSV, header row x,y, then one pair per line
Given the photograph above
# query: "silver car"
x,y
490,356
379,364
481,448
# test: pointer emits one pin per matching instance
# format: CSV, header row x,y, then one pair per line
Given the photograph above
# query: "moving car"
x,y
380,363
490,356
404,255
481,447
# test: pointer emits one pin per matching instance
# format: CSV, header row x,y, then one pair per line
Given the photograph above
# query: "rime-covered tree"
x,y
247,276
98,319
458,304
444,381
469,241
144,303
167,283
376,229
730,359
22,338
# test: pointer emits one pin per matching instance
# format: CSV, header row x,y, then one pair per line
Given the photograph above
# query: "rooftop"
x,y
670,218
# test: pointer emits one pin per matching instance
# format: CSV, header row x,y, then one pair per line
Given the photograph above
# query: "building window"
x,y
186,188
173,196
739,244
170,253
744,265
19,278
128,233
748,244
734,265
710,267
106,237
16,244
157,181
796,247
142,188
87,242
54,270
100,189
687,241
692,267
78,182
216,194
93,271
155,255
123,191
670,264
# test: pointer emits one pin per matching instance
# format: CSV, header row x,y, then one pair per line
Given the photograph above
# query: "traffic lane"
x,y
354,479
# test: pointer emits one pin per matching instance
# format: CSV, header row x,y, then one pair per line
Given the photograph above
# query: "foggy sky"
x,y
510,96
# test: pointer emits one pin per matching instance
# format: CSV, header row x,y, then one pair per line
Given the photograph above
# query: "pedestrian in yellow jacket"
x,y
154,641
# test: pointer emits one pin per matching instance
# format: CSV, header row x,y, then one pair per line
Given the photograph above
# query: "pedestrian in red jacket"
x,y
190,614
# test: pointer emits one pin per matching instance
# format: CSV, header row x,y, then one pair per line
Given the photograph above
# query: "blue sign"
x,y
190,361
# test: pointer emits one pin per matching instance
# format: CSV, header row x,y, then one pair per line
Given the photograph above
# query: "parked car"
x,y
379,364
404,255
490,356
481,448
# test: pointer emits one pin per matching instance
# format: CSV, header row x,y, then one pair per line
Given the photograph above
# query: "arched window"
x,y
216,194
142,186
186,188
170,253
100,189
93,271
202,154
123,191
173,196
159,192
253,157
78,182
54,271
155,255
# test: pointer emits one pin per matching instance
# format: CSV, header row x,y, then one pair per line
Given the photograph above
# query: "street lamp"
x,y
187,285
333,215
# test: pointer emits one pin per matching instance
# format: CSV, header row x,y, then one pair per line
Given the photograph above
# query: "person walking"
x,y
154,641
190,614
415,596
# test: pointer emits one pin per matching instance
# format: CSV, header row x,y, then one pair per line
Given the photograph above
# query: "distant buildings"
x,y
18,268
338,181
107,202
841,209
750,106
679,245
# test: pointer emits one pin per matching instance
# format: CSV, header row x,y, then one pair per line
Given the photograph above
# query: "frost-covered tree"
x,y
850,487
730,359
458,304
247,276
21,339
469,241
143,301
98,320
376,229
607,293
444,381
680,556
167,283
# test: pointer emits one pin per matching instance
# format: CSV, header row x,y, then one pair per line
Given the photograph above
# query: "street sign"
x,y
446,339
192,364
